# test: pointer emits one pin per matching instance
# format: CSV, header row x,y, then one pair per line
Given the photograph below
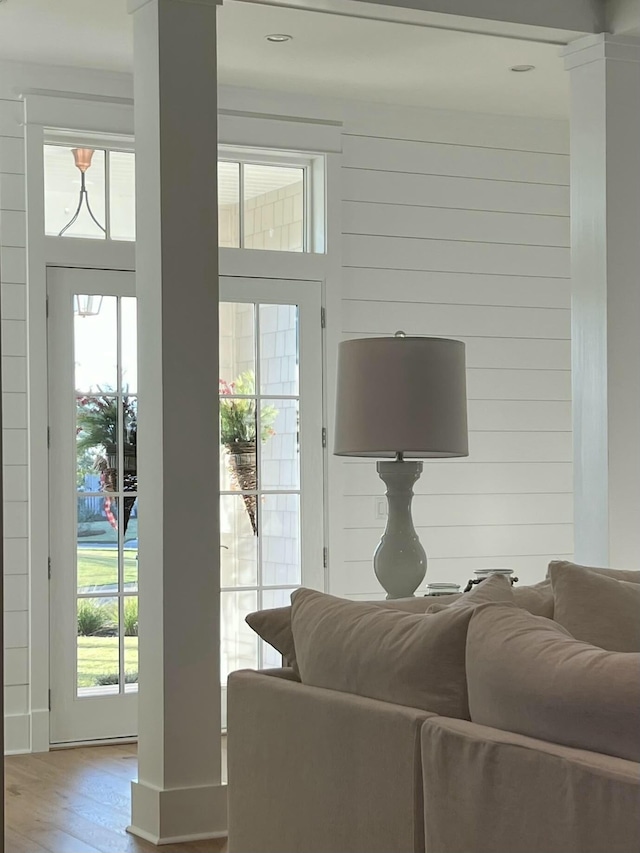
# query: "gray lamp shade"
x,y
401,395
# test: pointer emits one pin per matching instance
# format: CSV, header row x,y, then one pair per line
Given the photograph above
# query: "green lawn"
x,y
99,567
99,656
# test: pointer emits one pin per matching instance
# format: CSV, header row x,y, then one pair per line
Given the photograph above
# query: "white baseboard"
x,y
175,839
178,815
17,734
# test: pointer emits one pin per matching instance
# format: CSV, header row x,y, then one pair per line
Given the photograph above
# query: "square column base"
x,y
179,814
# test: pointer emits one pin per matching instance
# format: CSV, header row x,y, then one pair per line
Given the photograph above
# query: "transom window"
x,y
262,206
266,200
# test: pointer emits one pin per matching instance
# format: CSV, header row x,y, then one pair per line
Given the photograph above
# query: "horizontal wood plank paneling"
x,y
449,191
456,320
455,127
359,582
409,253
476,541
458,510
467,161
483,478
509,384
438,223
16,557
454,288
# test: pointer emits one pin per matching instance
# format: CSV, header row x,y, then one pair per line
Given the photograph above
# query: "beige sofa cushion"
x,y
629,575
596,608
405,658
525,674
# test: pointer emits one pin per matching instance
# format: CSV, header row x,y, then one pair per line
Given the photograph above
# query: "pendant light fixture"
x,y
82,158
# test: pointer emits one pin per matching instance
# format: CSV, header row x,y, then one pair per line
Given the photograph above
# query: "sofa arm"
x,y
490,791
317,771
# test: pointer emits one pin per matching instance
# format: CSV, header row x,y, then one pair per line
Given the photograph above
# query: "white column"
x,y
605,240
179,795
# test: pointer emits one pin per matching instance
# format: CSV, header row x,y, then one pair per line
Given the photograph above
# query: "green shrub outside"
x,y
95,616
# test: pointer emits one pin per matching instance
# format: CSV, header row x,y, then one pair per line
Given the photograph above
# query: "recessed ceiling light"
x,y
278,38
522,68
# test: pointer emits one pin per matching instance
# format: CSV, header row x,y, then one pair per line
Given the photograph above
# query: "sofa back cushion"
x,y
537,599
628,575
405,658
597,608
525,674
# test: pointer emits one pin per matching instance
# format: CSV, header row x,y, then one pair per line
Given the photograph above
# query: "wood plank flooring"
x,y
77,801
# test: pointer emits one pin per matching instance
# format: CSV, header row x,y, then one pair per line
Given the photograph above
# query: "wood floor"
x,y
77,801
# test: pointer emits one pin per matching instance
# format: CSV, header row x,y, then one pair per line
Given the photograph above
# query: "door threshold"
x,y
77,744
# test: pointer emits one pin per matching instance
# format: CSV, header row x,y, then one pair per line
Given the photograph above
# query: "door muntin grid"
x,y
260,470
106,576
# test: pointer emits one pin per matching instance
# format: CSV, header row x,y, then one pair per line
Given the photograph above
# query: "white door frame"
x,y
73,719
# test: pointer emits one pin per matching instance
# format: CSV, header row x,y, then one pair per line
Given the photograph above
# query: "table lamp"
x,y
401,398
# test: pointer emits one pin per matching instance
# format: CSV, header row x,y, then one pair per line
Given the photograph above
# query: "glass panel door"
x,y
271,456
93,500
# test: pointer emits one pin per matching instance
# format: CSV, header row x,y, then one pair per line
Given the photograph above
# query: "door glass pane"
x,y
280,467
62,197
279,349
273,208
97,645
239,544
129,332
280,532
238,442
96,344
239,644
97,440
237,348
97,549
122,195
130,630
229,205
130,547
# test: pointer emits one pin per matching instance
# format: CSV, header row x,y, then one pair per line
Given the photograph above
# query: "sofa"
x,y
532,746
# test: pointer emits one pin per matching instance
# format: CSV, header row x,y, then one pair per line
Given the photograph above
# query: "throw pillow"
x,y
598,609
274,626
495,588
404,658
525,674
629,575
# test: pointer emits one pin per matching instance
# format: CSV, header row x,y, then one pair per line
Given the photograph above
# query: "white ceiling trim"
x,y
410,15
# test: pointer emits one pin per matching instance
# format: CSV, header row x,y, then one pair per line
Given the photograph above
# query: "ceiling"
x,y
330,55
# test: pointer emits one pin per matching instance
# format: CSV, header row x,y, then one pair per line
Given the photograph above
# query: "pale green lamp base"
x,y
400,562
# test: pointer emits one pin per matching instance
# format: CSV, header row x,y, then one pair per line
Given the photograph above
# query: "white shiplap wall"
x,y
454,228
14,433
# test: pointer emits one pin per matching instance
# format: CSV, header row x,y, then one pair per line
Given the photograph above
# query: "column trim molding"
x,y
589,49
